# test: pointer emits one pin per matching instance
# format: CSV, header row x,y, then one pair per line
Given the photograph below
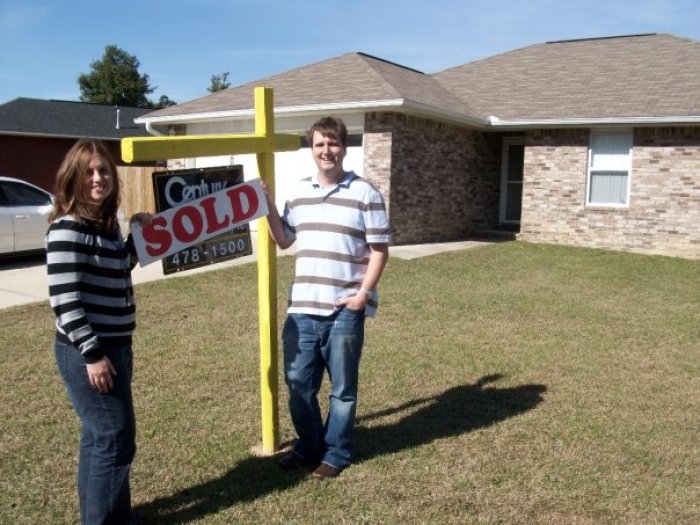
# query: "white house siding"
x,y
290,166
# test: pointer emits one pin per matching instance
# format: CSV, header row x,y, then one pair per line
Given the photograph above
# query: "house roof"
x,y
350,81
614,79
652,75
29,116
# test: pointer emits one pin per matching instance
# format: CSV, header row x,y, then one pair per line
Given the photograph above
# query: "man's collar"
x,y
345,181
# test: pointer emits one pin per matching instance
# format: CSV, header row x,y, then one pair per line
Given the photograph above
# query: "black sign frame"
x,y
176,187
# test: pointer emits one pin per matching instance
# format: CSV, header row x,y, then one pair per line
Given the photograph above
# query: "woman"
x,y
89,271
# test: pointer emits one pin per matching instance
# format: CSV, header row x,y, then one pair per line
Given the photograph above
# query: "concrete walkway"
x,y
23,280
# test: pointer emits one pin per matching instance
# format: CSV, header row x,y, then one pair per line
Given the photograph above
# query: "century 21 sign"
x,y
202,218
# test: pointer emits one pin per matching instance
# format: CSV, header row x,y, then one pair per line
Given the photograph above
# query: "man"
x,y
340,225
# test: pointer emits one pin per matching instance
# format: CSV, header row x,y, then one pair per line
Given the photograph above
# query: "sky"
x,y
45,45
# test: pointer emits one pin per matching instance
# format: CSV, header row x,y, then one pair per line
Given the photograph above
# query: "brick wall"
x,y
663,216
440,182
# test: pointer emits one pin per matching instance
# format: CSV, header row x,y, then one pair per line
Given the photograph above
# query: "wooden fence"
x,y
137,189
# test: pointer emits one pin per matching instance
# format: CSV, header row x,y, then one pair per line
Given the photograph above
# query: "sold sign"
x,y
198,220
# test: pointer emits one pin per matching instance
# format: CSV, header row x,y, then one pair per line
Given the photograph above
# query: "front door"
x,y
511,181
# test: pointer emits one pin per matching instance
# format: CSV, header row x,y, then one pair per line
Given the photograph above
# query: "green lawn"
x,y
513,383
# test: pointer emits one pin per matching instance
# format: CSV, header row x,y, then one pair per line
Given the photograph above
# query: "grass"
x,y
515,383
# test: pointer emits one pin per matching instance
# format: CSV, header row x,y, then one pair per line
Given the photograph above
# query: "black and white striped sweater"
x,y
90,288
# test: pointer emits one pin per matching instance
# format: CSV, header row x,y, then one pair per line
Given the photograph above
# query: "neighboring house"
x,y
592,142
36,134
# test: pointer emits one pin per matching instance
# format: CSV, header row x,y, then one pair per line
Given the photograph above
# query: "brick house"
x,y
36,134
591,142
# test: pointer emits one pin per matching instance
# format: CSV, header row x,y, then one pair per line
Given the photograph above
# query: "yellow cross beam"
x,y
185,146
264,142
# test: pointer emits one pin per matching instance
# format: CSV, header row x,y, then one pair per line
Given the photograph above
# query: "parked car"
x,y
24,208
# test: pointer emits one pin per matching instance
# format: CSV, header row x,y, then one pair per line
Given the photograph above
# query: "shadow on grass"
x,y
251,478
458,410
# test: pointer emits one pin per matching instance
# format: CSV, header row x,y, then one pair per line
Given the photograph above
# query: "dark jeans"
x,y
313,344
108,436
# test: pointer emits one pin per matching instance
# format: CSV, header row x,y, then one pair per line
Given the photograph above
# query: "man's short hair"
x,y
332,127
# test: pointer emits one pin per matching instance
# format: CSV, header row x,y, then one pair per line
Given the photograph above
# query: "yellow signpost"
x,y
264,143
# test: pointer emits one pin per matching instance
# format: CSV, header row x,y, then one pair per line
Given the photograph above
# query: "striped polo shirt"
x,y
90,288
333,228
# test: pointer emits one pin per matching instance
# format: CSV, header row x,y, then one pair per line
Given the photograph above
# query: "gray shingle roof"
x,y
616,77
352,78
69,119
633,76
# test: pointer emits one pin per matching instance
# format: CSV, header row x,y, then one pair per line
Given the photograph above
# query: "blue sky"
x,y
46,44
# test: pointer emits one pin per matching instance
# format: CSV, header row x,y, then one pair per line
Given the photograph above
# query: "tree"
x,y
219,83
163,102
116,80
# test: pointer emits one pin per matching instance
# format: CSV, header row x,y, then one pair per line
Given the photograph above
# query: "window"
x,y
17,194
609,165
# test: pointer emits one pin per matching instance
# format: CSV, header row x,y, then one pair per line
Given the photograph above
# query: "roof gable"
x,y
69,119
347,80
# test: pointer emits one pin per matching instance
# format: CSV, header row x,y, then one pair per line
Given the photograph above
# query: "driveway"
x,y
23,280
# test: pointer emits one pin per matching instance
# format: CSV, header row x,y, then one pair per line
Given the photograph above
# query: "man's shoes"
x,y
324,471
291,461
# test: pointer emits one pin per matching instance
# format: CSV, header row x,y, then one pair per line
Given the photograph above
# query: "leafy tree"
x,y
219,83
115,79
163,102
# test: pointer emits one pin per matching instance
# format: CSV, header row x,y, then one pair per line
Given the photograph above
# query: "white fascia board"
x,y
315,109
453,116
195,117
244,114
418,108
496,122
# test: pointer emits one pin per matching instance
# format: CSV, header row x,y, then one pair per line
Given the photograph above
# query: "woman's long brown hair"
x,y
70,192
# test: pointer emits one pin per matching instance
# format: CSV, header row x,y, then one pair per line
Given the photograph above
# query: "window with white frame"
x,y
609,166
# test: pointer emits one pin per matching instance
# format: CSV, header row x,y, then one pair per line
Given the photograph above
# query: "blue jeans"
x,y
313,344
108,435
